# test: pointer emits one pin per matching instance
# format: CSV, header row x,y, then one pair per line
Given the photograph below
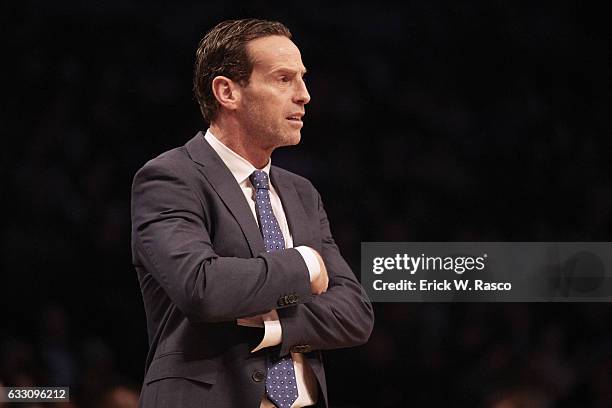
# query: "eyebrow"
x,y
281,69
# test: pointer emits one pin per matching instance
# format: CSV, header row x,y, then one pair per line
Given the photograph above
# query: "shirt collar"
x,y
240,167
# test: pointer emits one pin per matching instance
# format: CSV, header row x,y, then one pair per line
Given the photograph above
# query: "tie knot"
x,y
259,179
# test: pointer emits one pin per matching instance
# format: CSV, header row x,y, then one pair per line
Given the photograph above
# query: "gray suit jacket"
x,y
201,264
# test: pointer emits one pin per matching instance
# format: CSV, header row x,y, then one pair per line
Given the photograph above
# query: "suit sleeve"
x,y
172,241
340,317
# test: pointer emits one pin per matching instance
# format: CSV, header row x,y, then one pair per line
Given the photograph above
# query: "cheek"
x,y
267,109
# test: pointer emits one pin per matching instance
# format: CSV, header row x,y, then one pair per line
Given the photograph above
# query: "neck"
x,y
231,134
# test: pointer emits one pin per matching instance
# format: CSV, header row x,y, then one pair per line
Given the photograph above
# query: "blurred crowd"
x,y
54,358
486,121
423,355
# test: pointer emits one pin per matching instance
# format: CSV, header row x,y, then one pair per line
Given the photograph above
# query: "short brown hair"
x,y
223,51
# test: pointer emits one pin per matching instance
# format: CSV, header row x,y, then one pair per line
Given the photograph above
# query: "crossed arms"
x,y
171,229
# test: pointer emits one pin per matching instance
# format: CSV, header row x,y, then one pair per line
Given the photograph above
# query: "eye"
x,y
284,78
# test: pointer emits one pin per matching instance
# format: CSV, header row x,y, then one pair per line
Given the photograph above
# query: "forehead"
x,y
274,52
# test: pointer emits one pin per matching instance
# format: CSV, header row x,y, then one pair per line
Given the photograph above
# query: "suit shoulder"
x,y
173,164
172,160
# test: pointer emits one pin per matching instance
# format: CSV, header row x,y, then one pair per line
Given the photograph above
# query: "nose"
x,y
302,97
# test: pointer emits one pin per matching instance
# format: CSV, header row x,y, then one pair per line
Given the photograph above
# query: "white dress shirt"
x,y
241,169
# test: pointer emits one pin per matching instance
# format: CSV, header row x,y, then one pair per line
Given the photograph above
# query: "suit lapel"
x,y
224,184
294,210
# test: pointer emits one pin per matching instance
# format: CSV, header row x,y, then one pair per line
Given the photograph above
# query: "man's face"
x,y
272,104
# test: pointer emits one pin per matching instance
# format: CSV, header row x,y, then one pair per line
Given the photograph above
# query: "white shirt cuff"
x,y
273,333
312,263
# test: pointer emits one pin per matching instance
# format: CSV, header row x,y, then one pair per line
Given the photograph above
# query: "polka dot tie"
x,y
268,224
281,386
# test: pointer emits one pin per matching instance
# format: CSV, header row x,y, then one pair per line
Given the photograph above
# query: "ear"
x,y
226,91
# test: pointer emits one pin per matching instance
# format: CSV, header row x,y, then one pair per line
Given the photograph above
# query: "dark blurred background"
x,y
429,121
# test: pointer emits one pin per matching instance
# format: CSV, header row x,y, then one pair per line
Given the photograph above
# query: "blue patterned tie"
x,y
281,386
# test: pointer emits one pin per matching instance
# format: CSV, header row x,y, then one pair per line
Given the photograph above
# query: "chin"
x,y
296,139
290,140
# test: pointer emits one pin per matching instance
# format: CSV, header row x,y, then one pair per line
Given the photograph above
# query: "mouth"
x,y
296,119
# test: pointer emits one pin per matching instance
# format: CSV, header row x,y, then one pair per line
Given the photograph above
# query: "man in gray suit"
x,y
242,282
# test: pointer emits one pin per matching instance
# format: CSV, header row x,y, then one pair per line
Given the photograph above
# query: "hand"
x,y
319,284
251,321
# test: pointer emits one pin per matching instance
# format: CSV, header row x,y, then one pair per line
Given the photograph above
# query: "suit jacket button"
x,y
258,376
